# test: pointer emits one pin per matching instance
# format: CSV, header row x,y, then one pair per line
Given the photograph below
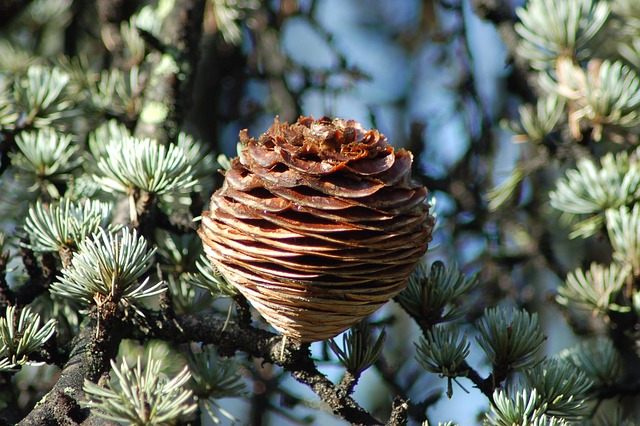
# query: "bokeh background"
x,y
434,78
429,74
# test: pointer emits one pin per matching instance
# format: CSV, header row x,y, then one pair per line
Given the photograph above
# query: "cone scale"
x,y
318,224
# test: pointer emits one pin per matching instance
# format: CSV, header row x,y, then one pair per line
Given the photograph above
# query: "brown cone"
x,y
317,224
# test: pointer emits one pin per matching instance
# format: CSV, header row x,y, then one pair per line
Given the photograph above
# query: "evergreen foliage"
x,y
141,397
109,266
115,118
20,336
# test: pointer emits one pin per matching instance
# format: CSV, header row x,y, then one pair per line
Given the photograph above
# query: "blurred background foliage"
x,y
523,119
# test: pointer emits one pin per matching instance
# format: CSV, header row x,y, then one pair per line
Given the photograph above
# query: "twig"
x,y
348,383
417,410
484,385
243,310
399,412
39,278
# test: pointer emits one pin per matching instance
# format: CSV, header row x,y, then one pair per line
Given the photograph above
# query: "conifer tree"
x,y
116,116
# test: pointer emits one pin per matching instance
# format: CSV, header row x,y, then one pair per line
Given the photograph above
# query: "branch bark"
x,y
294,357
61,406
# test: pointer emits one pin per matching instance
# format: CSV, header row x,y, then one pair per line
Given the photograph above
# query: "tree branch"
x,y
61,406
168,88
486,386
399,412
294,357
417,410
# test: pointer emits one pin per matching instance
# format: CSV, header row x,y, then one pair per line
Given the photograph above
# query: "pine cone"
x,y
318,225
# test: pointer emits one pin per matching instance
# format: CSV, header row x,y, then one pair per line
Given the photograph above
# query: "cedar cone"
x,y
317,224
